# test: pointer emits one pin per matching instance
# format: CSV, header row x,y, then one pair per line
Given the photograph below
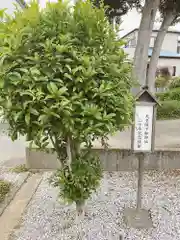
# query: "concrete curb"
x,y
12,194
12,215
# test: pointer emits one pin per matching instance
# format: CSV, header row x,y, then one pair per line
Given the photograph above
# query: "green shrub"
x,y
4,189
20,168
78,184
172,94
169,110
175,83
161,82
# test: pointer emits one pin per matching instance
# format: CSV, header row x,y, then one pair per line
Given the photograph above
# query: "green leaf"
x,y
58,80
27,118
79,79
62,90
68,76
111,115
2,82
29,93
55,115
98,116
61,48
9,103
64,103
14,77
68,67
35,71
25,104
24,70
14,136
52,87
34,111
17,115
43,118
75,70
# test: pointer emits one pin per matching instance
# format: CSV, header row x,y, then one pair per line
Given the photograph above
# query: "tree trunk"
x,y
80,213
80,209
157,49
145,30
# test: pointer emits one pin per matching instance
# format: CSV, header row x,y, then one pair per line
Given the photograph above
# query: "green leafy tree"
x,y
116,9
64,78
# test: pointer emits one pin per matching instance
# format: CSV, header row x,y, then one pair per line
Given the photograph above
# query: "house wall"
x,y
130,38
130,52
170,42
163,62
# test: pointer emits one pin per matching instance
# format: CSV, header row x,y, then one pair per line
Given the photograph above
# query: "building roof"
x,y
165,54
154,30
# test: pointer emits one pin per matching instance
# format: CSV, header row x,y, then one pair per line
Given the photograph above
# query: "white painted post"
x,y
140,180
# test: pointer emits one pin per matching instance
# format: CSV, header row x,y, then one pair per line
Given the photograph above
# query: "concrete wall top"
x,y
112,159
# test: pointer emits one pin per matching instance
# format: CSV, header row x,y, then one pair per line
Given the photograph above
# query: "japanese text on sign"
x,y
143,128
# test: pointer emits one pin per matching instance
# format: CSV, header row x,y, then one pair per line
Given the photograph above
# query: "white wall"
x,y
130,52
170,41
165,62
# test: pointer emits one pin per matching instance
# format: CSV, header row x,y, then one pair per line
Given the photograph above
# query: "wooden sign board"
x,y
144,123
143,127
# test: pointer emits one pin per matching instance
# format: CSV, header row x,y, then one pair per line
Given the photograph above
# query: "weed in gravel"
x,y
4,189
20,168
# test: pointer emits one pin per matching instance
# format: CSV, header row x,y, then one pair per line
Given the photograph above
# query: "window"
x,y
152,41
174,71
131,43
178,49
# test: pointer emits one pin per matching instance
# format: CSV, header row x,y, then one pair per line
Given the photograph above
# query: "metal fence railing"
x,y
159,90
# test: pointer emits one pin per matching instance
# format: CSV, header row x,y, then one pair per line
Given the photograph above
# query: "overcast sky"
x,y
130,21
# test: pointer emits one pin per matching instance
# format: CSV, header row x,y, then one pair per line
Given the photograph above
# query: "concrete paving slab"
x,y
17,181
137,219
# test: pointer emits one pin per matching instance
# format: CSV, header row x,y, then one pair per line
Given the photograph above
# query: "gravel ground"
x,y
48,219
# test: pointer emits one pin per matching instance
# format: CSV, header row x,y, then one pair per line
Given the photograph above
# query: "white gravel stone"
x,y
47,218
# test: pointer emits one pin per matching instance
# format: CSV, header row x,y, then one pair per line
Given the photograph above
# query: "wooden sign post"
x,y
143,138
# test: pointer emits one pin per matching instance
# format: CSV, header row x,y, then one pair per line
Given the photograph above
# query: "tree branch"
x,y
69,153
22,3
55,147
